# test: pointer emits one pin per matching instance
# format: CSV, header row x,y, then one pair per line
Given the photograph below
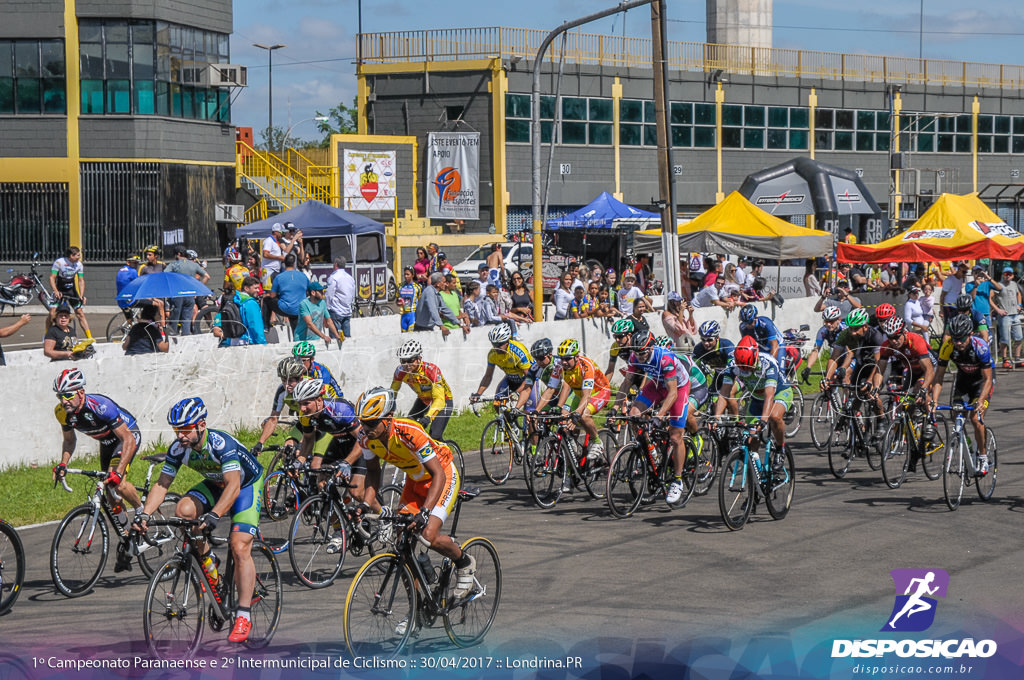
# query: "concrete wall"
x,y
32,19
238,384
151,137
33,137
213,15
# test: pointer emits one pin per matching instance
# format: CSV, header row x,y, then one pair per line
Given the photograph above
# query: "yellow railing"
x,y
271,174
590,48
257,212
321,181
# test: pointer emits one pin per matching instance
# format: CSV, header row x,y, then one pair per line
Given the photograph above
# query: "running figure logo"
x,y
916,590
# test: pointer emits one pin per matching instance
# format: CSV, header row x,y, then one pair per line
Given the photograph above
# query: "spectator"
x,y
952,288
581,307
182,307
146,336
982,290
287,292
304,261
421,267
60,340
452,297
594,294
741,272
341,293
483,278
812,287
443,266
889,277
712,296
489,312
252,318
604,303
522,300
231,250
848,236
1006,305
408,298
927,302
125,275
629,293
673,319
432,251
8,331
610,281
574,269
473,304
275,248
432,312
314,317
640,307
714,273
152,265
642,269
563,296
840,297
236,273
696,270
67,280
293,237
729,277
496,265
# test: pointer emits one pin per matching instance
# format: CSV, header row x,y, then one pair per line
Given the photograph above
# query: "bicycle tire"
x,y
313,527
205,319
822,421
457,458
12,566
780,483
985,485
704,464
735,490
265,608
163,536
953,473
390,497
627,480
174,600
467,620
372,629
896,453
840,449
495,453
931,464
595,470
280,502
76,570
382,310
794,416
549,472
117,328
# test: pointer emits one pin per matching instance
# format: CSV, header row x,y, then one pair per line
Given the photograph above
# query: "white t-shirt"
x,y
626,299
561,298
270,246
742,276
952,288
706,296
696,264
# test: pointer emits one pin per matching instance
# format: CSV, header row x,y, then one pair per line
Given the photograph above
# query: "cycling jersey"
x,y
338,419
541,374
65,270
697,377
827,335
235,275
716,357
98,417
515,361
427,382
583,306
764,331
914,349
318,371
970,361
408,448
219,454
662,367
870,342
409,293
766,374
585,376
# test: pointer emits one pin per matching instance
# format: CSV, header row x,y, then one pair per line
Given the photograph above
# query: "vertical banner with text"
x,y
370,181
453,175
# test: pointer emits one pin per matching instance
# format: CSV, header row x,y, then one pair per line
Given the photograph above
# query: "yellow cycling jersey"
x,y
234,276
428,384
515,360
408,448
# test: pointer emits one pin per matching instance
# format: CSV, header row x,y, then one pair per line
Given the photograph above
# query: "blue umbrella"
x,y
162,285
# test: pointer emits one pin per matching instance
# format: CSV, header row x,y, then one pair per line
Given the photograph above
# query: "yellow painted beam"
x,y
617,164
897,108
74,103
425,66
57,169
812,104
499,86
975,109
363,95
719,98
165,161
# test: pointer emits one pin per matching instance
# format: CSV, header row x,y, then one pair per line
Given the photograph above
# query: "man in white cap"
x,y
275,247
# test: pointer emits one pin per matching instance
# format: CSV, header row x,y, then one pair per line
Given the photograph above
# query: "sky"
x,y
316,71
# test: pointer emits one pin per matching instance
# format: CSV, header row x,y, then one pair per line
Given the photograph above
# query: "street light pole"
x,y
270,89
319,119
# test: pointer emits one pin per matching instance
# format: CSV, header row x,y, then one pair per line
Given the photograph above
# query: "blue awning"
x,y
602,213
315,218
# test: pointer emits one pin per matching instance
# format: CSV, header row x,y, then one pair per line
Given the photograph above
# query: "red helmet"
x,y
885,311
746,352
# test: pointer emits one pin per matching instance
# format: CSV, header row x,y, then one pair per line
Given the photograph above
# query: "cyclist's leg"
x,y
199,499
783,400
414,495
440,421
677,416
645,401
245,517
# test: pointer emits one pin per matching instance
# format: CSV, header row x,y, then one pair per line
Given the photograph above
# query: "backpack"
x,y
231,318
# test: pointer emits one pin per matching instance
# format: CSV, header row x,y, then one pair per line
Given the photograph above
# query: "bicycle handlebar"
x,y
77,471
956,408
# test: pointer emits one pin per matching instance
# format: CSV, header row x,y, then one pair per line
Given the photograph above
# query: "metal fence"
x,y
120,208
33,218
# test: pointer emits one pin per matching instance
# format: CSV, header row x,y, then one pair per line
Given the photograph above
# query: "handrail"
x,y
257,212
271,175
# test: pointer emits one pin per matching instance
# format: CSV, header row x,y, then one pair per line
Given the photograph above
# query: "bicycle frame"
x,y
960,412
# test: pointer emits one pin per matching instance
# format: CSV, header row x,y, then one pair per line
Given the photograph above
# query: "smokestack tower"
x,y
740,22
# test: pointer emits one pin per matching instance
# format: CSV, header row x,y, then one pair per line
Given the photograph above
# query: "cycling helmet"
x,y
411,349
709,329
746,352
964,303
961,327
542,348
304,350
831,313
857,318
893,326
884,311
290,367
151,249
664,341
748,313
308,388
234,256
569,348
69,380
500,334
375,403
623,327
641,341
133,258
191,254
186,412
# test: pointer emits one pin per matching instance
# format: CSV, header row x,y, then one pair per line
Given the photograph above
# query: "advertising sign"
x,y
453,175
369,180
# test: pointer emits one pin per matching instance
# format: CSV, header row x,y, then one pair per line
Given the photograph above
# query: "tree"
x,y
341,120
276,139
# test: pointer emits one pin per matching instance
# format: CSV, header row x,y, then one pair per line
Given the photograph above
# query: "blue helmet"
x,y
748,313
709,329
186,412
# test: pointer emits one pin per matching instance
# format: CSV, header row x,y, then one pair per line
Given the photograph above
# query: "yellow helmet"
x,y
375,403
568,348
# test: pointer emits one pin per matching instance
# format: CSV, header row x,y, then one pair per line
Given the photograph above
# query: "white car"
x,y
470,267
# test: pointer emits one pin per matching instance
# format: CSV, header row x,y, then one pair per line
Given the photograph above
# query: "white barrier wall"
x,y
238,384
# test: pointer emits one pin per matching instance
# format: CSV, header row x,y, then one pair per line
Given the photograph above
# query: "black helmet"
x,y
542,348
964,303
642,341
961,327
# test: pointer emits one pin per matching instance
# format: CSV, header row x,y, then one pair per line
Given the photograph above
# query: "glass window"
x,y
753,116
882,120
630,111
925,142
800,119
222,46
574,133
776,138
778,116
649,116
92,96
52,58
188,102
963,123
1002,125
732,138
844,120
1018,145
1018,125
1000,144
547,107
601,133
176,100
6,59
753,138
650,135
223,106
26,59
54,96
6,94
797,138
881,141
574,108
118,96
91,61
865,120
704,114
630,135
142,59
963,143
117,61
945,144
843,141
704,137
926,124
682,113
547,129
985,124
824,119
202,112
115,31
143,32
163,62
163,100
516,130
682,135
945,124
145,101
28,95
865,141
600,109
823,140
732,114
984,144
90,30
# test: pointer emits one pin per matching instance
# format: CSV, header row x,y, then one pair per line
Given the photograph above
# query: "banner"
x,y
369,181
453,175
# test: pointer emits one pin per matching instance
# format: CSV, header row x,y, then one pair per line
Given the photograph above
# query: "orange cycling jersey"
x,y
425,380
408,448
585,376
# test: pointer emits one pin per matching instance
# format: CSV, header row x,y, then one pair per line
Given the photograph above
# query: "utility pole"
x,y
270,89
666,187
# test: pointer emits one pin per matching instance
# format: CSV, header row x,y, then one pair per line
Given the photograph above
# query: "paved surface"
x,y
577,579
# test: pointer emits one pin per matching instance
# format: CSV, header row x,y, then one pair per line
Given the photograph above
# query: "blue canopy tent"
x,y
315,219
605,212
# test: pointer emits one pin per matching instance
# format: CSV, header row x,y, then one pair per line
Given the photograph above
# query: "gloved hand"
x,y
345,469
59,470
210,519
473,398
256,449
805,375
140,520
419,522
113,478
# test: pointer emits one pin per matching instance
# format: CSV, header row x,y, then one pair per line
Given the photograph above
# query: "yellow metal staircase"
x,y
282,181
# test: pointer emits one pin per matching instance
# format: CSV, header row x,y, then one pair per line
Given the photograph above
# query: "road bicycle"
x,y
121,323
794,341
745,479
502,441
12,566
181,595
284,487
913,436
960,467
363,307
560,462
81,544
397,593
824,412
855,424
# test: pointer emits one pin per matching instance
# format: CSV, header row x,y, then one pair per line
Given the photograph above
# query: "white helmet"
x,y
375,403
309,388
500,334
410,350
69,380
831,313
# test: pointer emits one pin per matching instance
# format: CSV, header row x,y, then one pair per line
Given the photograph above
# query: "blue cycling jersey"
x,y
764,331
828,335
338,418
218,454
716,357
320,372
661,367
98,417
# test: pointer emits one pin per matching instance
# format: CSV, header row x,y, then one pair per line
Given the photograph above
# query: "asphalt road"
x,y
664,585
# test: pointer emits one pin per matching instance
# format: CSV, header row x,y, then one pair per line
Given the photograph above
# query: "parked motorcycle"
x,y
21,288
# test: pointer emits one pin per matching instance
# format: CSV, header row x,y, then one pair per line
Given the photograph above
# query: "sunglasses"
x,y
370,424
66,396
185,429
409,361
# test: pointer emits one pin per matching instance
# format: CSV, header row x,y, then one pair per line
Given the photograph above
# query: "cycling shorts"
x,y
755,407
507,387
319,447
969,391
598,400
110,452
651,395
418,413
408,321
414,495
245,511
699,397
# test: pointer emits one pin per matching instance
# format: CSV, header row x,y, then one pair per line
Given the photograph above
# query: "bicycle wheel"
x,y
204,319
174,610
163,536
117,327
953,472
735,490
594,471
457,460
627,480
495,452
840,448
390,496
780,482
986,485
871,442
317,522
704,463
794,417
468,619
79,551
380,608
896,452
280,501
931,456
12,566
821,421
549,472
265,608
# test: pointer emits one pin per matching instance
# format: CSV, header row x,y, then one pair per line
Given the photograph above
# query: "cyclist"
x,y
114,427
666,384
581,376
713,352
965,306
233,483
236,273
831,326
974,381
764,331
912,356
881,314
306,352
431,481
409,298
699,393
622,331
290,370
512,357
434,405
764,388
862,343
67,281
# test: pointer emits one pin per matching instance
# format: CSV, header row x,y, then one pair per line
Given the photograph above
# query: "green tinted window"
x,y
517,130
822,140
776,138
945,124
985,124
963,123
574,108
28,95
547,107
945,144
963,143
984,144
145,100
682,135
824,119
925,141
778,116
54,96
574,133
6,94
1018,144
843,141
865,120
631,111
704,114
601,133
92,96
118,96
52,58
650,135
630,135
1002,125
732,114
649,116
547,127
732,138
26,59
753,138
517,105
600,109
753,116
797,139
844,120
704,137
881,141
865,141
682,113
1000,144
800,119
882,120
